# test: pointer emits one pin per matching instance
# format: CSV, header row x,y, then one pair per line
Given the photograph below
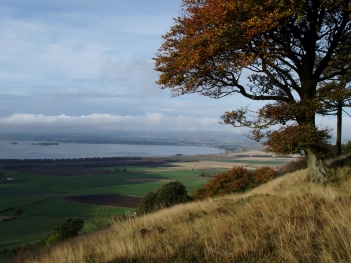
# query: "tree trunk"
x,y
317,167
338,130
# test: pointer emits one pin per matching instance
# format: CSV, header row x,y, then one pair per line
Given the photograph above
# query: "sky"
x,y
86,66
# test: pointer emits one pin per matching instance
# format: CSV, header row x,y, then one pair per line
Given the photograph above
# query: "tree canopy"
x,y
286,47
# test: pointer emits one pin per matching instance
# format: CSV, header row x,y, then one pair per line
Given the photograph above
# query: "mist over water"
x,y
25,150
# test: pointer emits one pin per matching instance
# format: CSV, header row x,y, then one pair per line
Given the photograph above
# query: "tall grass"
x,y
285,220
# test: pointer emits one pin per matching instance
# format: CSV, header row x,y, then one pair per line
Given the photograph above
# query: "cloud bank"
x,y
107,123
152,121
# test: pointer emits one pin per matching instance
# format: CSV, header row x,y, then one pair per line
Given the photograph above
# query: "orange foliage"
x,y
238,179
261,175
209,29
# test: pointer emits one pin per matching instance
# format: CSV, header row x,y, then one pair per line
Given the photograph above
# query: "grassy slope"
x,y
39,219
286,220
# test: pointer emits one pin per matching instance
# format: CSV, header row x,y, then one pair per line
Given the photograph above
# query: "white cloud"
x,y
108,122
155,121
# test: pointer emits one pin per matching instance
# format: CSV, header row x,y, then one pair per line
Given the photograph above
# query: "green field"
x,y
134,182
39,194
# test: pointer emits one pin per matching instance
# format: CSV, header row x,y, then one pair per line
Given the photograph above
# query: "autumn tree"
x,y
236,180
286,47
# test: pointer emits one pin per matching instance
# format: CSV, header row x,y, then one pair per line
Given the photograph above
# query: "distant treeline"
x,y
72,159
80,162
86,162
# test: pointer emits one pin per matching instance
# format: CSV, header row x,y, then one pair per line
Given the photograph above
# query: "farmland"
x,y
49,191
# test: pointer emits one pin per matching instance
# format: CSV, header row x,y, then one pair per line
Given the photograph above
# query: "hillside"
x,y
286,220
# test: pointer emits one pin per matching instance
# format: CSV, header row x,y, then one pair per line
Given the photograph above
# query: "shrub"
x,y
171,194
64,229
199,194
13,252
69,227
147,204
260,176
238,179
293,166
229,182
235,180
18,211
168,195
19,250
52,238
100,221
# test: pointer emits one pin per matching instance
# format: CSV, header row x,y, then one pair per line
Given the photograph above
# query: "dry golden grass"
x,y
285,220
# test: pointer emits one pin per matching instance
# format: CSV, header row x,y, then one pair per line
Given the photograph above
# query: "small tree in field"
x,y
147,204
171,194
168,195
287,47
69,227
18,211
64,229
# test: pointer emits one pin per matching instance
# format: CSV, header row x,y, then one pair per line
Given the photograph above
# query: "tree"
x,y
287,47
18,211
171,194
69,227
168,195
64,229
147,204
336,95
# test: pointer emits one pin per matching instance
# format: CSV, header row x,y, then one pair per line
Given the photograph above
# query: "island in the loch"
x,y
13,143
45,143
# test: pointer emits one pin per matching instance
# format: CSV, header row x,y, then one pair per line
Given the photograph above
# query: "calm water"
x,y
24,150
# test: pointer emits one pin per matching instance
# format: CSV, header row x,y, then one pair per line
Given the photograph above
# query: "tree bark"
x,y
318,169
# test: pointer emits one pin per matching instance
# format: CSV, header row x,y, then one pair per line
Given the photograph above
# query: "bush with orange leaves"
x,y
236,180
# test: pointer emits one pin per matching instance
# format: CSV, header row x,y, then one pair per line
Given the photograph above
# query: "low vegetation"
x,y
285,220
168,195
236,180
64,229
